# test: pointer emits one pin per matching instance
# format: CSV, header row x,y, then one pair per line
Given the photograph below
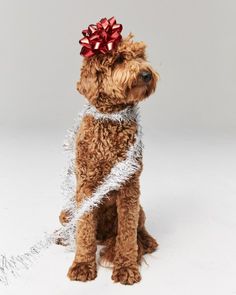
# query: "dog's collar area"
x,y
127,114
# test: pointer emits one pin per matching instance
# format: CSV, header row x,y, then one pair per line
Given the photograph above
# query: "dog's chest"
x,y
101,144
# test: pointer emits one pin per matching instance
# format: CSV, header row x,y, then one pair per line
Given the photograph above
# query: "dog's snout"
x,y
146,76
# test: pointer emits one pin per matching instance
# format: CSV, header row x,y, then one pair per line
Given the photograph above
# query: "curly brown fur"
x,y
111,82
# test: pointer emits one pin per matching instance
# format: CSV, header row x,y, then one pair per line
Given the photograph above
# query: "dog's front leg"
x,y
125,268
84,266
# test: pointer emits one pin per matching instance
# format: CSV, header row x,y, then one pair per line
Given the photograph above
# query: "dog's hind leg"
x,y
146,243
107,254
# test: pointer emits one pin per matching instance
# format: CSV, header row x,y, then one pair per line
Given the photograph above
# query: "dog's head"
x,y
119,78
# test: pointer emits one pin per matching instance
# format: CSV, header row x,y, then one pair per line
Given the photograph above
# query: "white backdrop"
x,y
188,183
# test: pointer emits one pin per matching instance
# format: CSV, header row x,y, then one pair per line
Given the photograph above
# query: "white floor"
x,y
188,193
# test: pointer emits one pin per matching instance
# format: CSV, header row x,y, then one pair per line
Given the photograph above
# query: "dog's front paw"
x,y
127,275
82,271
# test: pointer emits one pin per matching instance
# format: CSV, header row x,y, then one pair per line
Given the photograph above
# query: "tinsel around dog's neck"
x,y
127,114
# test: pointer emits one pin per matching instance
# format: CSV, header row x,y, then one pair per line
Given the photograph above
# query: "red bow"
x,y
100,38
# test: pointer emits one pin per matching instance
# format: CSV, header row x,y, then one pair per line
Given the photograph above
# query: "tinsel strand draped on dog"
x,y
119,174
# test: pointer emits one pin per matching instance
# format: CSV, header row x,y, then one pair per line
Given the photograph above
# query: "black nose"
x,y
146,76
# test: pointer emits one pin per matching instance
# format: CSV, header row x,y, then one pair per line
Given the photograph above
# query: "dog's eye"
x,y
120,59
141,55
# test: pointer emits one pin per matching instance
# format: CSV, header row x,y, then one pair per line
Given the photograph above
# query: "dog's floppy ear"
x,y
88,84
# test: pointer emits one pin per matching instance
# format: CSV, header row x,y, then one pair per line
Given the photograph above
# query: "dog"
x,y
111,82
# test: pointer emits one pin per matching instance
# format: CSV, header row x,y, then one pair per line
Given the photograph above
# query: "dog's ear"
x,y
140,49
88,84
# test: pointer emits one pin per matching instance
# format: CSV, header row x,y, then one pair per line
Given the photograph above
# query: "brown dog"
x,y
111,82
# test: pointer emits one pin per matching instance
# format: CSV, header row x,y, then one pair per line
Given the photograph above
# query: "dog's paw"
x,y
82,271
149,244
127,275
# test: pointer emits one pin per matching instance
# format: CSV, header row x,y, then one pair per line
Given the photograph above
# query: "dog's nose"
x,y
146,76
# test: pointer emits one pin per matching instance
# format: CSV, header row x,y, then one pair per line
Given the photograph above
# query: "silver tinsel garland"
x,y
119,174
